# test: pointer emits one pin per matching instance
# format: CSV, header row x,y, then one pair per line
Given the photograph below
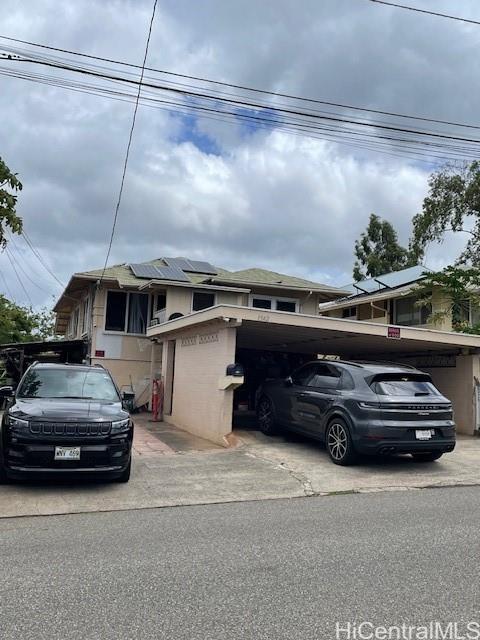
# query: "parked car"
x,y
360,408
65,420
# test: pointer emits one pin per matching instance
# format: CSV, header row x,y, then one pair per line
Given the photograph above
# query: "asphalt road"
x,y
270,569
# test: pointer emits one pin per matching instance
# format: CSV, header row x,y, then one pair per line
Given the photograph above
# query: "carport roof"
x,y
282,331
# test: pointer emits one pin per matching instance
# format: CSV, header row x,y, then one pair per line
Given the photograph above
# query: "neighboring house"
x,y
391,299
112,312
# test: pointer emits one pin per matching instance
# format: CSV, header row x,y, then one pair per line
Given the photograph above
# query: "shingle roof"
x,y
123,274
263,276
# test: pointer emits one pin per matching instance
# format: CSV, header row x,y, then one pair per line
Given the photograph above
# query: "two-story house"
x,y
391,299
112,311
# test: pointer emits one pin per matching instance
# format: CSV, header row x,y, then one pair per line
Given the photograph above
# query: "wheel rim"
x,y
265,415
337,441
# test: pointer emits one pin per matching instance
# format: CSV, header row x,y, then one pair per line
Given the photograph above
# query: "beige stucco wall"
x,y
127,357
458,385
199,405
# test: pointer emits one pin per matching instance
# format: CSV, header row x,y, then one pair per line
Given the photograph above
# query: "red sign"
x,y
99,353
394,332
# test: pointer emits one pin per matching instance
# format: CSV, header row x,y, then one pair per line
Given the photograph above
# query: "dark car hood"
x,y
67,410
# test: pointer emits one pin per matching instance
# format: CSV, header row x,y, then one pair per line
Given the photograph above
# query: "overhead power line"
x,y
430,13
20,266
10,258
127,154
39,257
241,87
249,104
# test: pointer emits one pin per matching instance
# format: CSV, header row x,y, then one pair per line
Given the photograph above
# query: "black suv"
x,y
65,420
360,407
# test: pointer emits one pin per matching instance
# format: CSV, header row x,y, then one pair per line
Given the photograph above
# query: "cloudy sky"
x,y
208,189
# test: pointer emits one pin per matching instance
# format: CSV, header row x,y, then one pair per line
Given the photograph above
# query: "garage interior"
x,y
271,345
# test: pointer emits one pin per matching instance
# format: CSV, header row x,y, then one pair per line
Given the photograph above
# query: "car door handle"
x,y
302,395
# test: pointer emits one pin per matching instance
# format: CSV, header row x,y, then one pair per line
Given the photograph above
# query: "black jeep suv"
x,y
360,407
65,420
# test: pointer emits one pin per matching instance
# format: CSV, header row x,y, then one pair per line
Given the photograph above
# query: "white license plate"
x,y
67,453
424,434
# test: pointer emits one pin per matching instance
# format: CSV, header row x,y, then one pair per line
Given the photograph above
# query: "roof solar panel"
x,y
191,266
151,272
390,280
203,267
180,263
144,271
172,273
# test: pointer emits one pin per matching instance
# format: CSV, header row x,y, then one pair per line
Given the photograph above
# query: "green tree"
x,y
378,251
16,323
20,324
10,185
458,290
452,204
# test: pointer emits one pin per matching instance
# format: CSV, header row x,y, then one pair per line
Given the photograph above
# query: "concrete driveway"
x,y
173,468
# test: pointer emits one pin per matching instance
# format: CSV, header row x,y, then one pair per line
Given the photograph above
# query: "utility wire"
x,y
242,87
7,288
253,105
7,253
127,154
295,126
39,257
19,265
431,13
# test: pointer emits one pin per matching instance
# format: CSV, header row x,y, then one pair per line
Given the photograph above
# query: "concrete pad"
x,y
262,468
310,462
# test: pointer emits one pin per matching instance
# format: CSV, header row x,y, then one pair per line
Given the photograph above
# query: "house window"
x,y
84,323
116,311
286,305
349,312
126,312
202,300
137,312
407,313
76,315
277,304
261,303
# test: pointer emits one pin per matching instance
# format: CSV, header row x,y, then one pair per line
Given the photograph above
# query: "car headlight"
x,y
121,426
17,424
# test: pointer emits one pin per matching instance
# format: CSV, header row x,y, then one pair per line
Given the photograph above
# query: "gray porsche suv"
x,y
360,408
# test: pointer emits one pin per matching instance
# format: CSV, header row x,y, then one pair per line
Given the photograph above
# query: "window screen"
x,y
202,300
407,313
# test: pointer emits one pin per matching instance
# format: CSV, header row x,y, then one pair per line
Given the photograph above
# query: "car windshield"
x,y
405,387
85,384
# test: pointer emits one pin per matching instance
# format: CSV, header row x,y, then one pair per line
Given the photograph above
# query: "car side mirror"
x,y
289,381
7,392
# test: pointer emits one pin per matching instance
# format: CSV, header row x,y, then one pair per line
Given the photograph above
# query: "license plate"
x,y
67,453
424,434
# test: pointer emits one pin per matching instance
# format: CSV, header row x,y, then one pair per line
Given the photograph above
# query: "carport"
x,y
197,349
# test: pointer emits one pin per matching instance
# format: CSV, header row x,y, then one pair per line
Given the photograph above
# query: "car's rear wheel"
x,y
339,443
427,457
266,417
125,477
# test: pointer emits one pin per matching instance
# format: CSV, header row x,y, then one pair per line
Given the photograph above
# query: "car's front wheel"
x,y
427,457
265,417
339,443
